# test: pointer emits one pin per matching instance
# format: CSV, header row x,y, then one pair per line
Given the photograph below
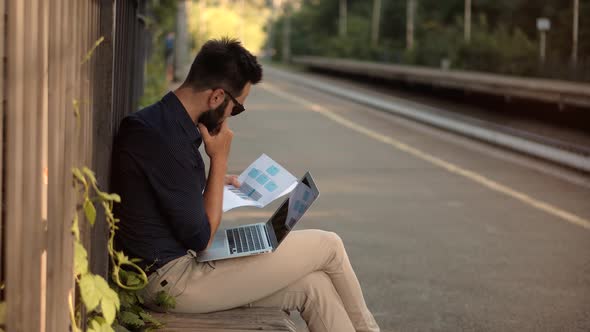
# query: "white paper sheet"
x,y
261,183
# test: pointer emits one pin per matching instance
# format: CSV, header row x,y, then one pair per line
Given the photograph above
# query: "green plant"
x,y
2,313
105,304
100,301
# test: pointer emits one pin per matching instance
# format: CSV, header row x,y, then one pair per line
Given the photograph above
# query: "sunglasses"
x,y
238,108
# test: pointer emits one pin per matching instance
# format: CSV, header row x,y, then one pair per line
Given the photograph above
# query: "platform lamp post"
x,y
286,50
410,13
467,21
288,8
270,46
181,50
376,22
543,25
343,16
575,33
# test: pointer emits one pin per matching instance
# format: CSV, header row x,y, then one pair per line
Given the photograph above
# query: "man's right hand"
x,y
217,146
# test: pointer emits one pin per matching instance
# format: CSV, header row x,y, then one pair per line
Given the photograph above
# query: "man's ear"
x,y
216,98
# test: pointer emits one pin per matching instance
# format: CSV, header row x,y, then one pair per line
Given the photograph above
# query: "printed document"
x,y
261,183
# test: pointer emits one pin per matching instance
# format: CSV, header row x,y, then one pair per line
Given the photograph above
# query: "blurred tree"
x,y
161,20
504,34
241,19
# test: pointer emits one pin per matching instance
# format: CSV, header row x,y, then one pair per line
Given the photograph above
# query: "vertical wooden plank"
x,y
53,239
90,40
131,54
53,235
79,147
85,23
69,143
57,288
15,287
82,147
103,127
2,56
36,153
125,16
32,173
118,75
42,142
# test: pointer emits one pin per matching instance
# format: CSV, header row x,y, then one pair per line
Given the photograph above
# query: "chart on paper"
x,y
261,183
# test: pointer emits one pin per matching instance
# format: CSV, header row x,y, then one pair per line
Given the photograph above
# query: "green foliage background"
x,y
162,14
504,35
245,20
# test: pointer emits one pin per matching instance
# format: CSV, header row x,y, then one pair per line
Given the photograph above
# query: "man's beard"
x,y
212,118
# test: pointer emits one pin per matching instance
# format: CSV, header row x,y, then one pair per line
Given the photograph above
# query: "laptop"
x,y
255,239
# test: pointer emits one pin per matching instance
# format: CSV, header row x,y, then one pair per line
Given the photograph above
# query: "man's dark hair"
x,y
225,64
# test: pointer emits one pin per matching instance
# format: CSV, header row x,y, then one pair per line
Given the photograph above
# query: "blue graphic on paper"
x,y
296,206
253,173
247,192
271,186
305,195
273,170
302,208
262,179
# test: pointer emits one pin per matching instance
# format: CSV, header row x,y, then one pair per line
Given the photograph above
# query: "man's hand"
x,y
217,146
232,180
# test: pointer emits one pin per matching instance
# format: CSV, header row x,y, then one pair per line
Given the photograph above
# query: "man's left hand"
x,y
232,180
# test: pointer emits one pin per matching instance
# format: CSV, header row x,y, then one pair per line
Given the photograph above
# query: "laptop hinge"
x,y
267,235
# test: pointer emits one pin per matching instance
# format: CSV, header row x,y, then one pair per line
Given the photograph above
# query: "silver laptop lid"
x,y
290,212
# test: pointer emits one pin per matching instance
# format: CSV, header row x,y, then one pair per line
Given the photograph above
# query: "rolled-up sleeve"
x,y
176,179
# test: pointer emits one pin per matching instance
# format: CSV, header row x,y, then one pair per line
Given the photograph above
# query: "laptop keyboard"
x,y
245,239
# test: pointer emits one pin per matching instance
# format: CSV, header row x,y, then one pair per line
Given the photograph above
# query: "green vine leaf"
x,y
127,299
119,328
89,174
2,312
78,175
88,290
80,259
109,197
75,227
76,105
101,301
109,303
165,300
133,279
122,258
150,319
139,298
98,324
89,211
131,319
89,54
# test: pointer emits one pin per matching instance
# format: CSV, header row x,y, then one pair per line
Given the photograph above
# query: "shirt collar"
x,y
182,118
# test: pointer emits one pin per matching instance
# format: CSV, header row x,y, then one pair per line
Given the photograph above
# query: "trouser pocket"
x,y
171,278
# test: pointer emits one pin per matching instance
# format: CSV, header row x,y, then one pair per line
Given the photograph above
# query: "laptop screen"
x,y
293,208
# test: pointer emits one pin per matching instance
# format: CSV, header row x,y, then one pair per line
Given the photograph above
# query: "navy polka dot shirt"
x,y
159,173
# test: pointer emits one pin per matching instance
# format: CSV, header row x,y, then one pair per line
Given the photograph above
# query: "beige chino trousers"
x,y
309,272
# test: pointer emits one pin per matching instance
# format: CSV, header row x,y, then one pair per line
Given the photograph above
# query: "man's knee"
x,y
317,285
335,243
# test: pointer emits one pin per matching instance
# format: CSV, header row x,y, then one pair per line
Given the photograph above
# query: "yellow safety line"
x,y
493,185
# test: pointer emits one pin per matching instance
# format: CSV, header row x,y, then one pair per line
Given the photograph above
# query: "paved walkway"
x,y
444,233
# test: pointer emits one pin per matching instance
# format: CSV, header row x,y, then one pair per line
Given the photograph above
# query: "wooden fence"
x,y
57,111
